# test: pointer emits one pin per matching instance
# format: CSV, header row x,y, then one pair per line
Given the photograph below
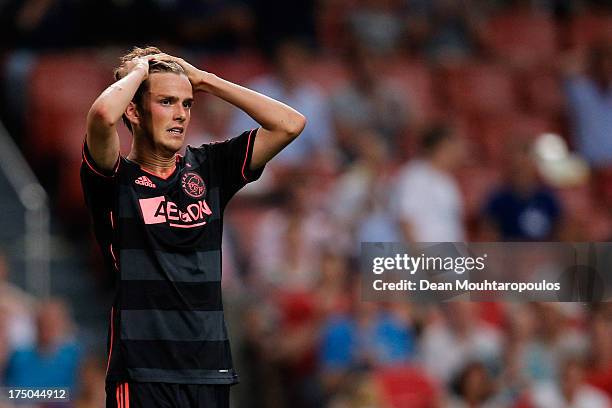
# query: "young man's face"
x,y
166,110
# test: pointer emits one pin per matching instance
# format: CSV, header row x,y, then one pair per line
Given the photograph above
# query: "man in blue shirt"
x,y
53,361
589,93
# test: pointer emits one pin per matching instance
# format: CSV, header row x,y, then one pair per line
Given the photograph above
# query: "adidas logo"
x,y
145,181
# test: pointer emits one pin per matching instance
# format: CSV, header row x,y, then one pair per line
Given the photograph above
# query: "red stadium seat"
x,y
524,402
406,387
602,186
479,89
493,313
415,80
542,92
62,88
239,68
329,73
331,16
493,132
576,200
522,38
587,28
587,219
600,225
489,134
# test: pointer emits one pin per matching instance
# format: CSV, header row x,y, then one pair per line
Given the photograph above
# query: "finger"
x,y
163,57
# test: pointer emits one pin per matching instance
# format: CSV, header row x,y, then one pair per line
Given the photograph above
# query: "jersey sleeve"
x,y
100,193
98,184
232,158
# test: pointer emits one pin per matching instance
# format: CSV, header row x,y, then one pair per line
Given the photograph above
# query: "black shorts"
x,y
166,395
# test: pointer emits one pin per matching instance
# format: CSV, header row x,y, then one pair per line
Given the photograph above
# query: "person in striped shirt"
x,y
158,218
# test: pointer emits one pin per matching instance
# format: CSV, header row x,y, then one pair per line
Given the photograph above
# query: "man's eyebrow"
x,y
172,98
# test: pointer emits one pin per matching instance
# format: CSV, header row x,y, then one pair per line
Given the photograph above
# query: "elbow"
x,y
296,125
99,116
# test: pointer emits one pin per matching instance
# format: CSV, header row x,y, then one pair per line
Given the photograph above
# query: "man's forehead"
x,y
170,84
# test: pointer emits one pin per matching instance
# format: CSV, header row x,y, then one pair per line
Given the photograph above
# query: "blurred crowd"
x,y
439,120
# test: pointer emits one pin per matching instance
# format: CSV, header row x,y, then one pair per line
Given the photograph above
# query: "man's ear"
x,y
131,112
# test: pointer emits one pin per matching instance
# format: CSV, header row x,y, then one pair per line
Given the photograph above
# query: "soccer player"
x,y
158,217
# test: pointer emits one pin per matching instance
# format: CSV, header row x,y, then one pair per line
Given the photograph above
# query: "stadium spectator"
x,y
332,292
296,312
210,121
290,239
362,392
450,341
525,358
368,337
91,384
522,208
599,363
558,331
427,200
262,385
570,391
289,84
376,25
445,30
54,360
359,197
294,353
589,96
473,387
289,360
368,102
18,307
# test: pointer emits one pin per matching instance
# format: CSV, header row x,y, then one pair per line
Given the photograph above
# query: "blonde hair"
x,y
157,66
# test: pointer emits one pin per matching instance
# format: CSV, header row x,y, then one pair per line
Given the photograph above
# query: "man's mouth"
x,y
176,130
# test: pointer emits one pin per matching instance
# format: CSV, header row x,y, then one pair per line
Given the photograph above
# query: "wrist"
x,y
141,70
205,82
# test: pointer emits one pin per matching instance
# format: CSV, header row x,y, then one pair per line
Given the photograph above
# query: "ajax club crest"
x,y
193,185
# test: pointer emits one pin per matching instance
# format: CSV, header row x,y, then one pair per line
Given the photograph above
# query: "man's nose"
x,y
180,114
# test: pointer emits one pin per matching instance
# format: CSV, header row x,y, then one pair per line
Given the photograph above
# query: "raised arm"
x,y
107,110
280,124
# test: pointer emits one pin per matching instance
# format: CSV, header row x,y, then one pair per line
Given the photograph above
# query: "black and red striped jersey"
x,y
161,237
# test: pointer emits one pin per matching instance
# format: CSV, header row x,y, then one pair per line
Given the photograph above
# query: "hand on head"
x,y
136,63
193,73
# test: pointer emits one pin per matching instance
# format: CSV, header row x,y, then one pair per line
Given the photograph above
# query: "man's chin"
x,y
174,143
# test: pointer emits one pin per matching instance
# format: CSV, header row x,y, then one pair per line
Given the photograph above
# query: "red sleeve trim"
x,y
110,353
88,162
246,155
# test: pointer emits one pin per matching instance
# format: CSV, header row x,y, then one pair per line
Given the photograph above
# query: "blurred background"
x,y
428,120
